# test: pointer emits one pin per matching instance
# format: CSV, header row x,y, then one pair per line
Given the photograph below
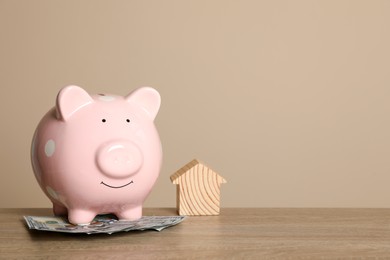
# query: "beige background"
x,y
287,100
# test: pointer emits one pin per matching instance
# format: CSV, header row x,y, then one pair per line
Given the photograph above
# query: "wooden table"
x,y
247,233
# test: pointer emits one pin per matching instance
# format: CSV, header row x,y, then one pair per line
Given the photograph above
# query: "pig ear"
x,y
147,98
69,100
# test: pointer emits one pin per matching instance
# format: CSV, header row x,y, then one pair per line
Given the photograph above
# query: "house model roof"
x,y
189,169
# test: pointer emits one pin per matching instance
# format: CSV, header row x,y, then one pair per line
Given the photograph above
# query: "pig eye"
x,y
128,120
103,120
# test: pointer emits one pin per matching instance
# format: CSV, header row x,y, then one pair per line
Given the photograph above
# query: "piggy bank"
x,y
97,154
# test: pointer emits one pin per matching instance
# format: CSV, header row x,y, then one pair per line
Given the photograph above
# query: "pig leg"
x,y
59,210
81,216
130,213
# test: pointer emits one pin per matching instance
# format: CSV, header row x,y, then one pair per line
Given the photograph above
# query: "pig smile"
x,y
116,187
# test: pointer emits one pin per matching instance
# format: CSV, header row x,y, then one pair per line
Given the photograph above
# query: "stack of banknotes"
x,y
107,224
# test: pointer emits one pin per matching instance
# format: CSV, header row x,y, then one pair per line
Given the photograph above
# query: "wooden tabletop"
x,y
240,233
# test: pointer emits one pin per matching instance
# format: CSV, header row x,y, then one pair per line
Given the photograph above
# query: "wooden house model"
x,y
198,189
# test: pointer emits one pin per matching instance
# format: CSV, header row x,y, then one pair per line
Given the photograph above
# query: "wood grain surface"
x,y
251,233
198,190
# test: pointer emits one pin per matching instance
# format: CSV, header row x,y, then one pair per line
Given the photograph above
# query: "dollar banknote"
x,y
107,224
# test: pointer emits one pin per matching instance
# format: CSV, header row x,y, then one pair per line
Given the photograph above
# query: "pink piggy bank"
x,y
95,154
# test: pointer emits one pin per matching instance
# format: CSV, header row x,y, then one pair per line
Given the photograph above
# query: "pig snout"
x,y
119,159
